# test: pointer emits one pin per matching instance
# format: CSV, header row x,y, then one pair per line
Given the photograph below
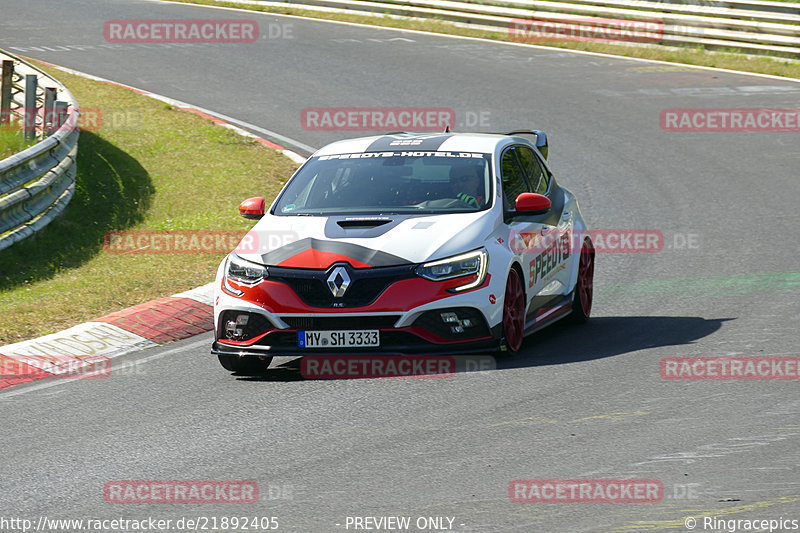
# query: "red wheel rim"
x,y
513,312
586,277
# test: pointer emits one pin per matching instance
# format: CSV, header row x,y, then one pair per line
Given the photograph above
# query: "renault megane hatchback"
x,y
406,244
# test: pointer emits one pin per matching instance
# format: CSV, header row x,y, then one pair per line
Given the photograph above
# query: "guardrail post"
x,y
5,91
29,124
48,124
61,114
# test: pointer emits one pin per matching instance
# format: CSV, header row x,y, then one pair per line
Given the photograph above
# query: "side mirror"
x,y
531,203
253,208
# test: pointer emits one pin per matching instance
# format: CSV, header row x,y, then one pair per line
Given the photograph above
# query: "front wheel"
x,y
513,312
584,285
249,366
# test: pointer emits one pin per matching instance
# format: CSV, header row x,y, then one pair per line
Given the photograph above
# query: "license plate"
x,y
346,338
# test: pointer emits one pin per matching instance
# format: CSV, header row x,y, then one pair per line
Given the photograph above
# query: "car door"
x,y
547,236
523,230
558,227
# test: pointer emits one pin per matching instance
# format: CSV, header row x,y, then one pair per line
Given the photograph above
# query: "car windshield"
x,y
379,183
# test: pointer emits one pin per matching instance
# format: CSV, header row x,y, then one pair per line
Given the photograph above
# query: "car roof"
x,y
448,142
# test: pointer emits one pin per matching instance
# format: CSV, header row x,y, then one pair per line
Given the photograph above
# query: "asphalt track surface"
x,y
579,402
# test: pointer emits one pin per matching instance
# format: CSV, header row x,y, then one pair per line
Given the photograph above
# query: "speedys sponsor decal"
x,y
551,261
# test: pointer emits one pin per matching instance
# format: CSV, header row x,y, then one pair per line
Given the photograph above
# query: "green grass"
x,y
732,59
12,141
158,168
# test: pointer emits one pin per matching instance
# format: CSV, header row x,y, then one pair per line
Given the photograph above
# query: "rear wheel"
x,y
584,285
250,366
513,312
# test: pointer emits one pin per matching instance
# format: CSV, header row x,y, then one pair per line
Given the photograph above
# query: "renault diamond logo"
x,y
338,282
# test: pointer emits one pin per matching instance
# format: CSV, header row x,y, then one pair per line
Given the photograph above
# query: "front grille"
x,y
341,322
365,284
361,292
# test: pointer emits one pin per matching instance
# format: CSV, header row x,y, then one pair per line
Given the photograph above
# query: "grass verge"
x,y
733,60
148,167
12,141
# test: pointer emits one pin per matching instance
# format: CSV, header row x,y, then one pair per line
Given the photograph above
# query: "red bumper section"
x,y
451,331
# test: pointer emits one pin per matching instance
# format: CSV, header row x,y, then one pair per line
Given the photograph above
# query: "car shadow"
x,y
561,343
112,192
602,337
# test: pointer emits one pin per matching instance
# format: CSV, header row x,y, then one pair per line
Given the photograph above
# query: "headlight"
x,y
242,271
471,263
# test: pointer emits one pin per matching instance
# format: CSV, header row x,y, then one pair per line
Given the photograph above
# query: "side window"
x,y
513,179
545,184
536,175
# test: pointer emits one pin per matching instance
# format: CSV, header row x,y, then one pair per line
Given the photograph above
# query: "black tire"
x,y
249,366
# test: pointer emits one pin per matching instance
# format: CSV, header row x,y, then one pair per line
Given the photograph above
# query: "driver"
x,y
467,185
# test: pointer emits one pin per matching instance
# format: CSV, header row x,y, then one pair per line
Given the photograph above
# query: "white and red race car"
x,y
406,244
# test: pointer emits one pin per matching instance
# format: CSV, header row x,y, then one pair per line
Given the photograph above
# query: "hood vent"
x,y
363,222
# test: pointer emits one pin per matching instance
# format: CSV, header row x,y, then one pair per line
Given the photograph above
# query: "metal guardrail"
x,y
751,26
36,184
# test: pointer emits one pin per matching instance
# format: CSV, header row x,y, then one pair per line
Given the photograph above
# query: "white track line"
x,y
481,39
263,131
179,103
54,382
